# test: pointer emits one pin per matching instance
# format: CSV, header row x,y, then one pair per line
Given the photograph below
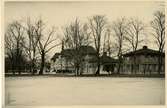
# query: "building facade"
x,y
143,61
65,60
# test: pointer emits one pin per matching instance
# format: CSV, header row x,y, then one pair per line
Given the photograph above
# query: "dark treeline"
x,y
28,43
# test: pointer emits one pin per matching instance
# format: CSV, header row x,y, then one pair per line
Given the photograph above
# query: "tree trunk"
x,y
98,70
135,66
19,66
42,63
13,70
149,66
98,67
159,64
132,68
12,67
76,70
144,69
33,62
33,67
19,70
119,65
30,67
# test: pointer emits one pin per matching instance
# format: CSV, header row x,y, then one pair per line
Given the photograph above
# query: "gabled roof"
x,y
144,51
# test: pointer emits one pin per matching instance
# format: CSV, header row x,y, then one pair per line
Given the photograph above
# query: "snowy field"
x,y
84,91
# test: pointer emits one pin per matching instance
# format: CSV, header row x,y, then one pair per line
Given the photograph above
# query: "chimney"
x,y
145,47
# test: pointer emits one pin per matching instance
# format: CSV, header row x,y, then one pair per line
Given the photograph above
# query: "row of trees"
x,y
28,39
97,28
124,31
76,36
158,26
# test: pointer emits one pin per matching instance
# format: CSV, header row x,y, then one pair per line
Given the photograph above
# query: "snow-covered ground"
x,y
84,91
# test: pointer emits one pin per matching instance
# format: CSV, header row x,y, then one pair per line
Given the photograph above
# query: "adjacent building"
x,y
143,61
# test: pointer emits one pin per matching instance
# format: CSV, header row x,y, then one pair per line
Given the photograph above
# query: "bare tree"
x,y
30,45
13,43
135,29
158,25
97,25
119,29
45,42
76,36
9,52
108,45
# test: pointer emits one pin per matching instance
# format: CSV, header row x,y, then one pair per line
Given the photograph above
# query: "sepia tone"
x,y
84,53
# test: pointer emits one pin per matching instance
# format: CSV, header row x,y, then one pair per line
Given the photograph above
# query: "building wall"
x,y
88,68
62,63
144,64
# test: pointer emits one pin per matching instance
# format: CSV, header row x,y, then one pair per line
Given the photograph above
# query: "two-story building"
x,y
143,61
64,61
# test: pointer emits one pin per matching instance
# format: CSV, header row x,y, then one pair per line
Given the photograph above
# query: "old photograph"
x,y
63,53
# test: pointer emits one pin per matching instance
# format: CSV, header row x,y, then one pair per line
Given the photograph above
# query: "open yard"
x,y
43,90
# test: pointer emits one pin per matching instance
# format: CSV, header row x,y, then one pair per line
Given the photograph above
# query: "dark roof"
x,y
67,52
87,50
107,59
84,50
55,56
104,59
144,51
93,59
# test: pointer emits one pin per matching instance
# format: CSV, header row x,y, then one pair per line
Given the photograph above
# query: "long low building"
x,y
143,61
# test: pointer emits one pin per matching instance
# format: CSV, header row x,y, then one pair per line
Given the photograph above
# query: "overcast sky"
x,y
62,13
